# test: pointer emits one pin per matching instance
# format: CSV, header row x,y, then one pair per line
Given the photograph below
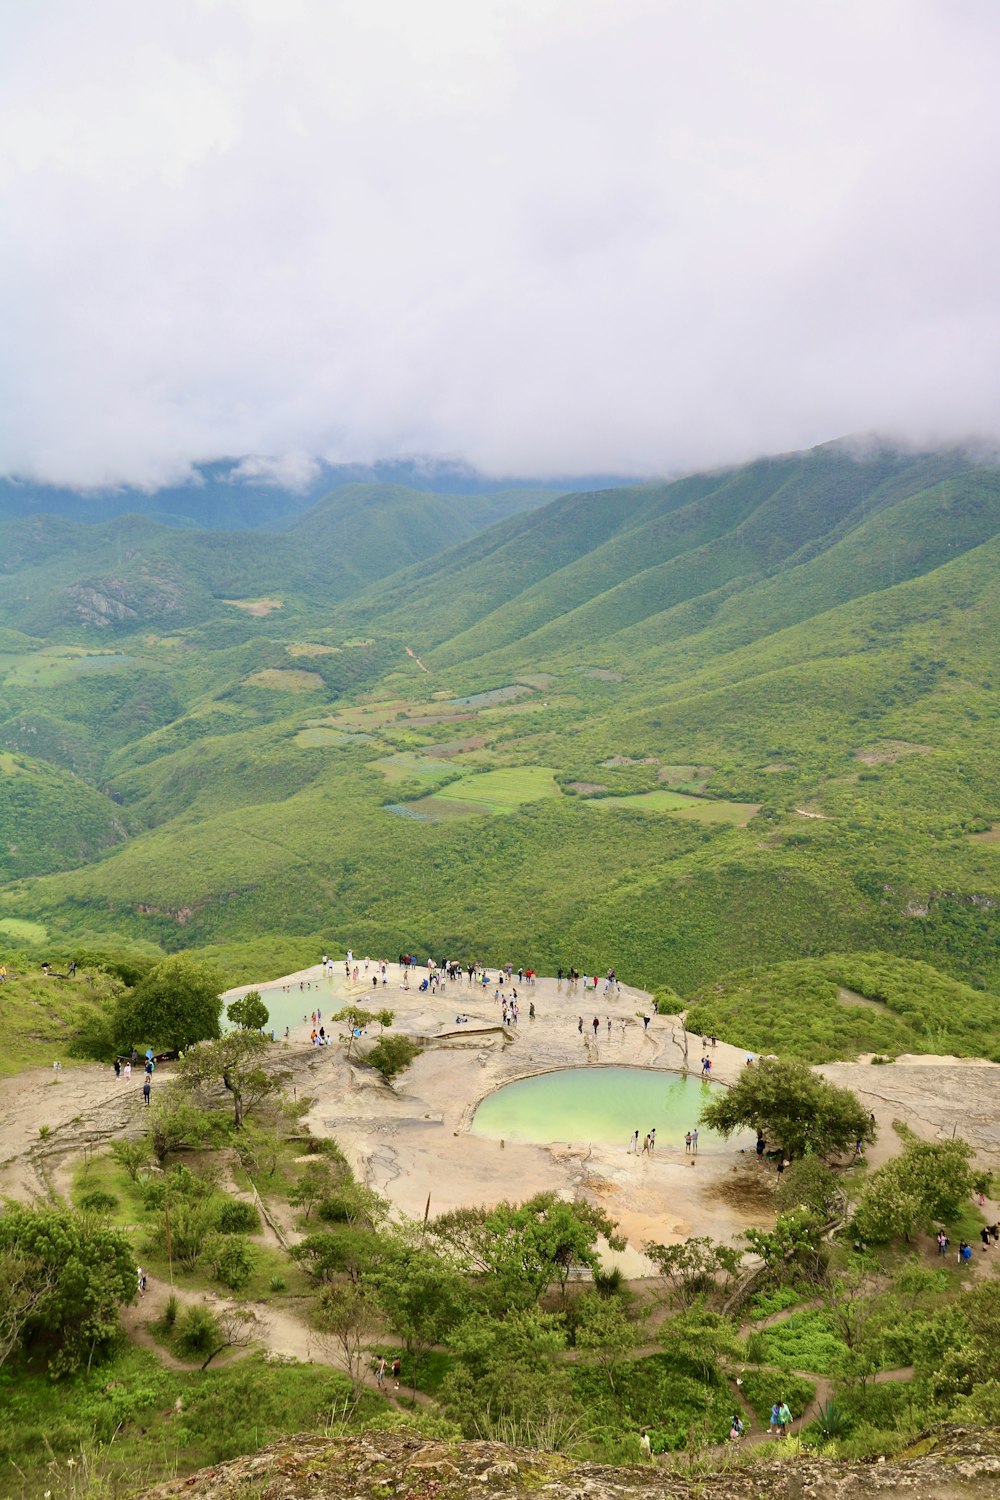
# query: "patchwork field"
x,y
702,810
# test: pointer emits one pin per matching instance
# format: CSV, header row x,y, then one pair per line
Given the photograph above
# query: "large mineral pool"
x,y
600,1105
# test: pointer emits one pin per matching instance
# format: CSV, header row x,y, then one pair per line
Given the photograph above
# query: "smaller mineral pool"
x,y
601,1105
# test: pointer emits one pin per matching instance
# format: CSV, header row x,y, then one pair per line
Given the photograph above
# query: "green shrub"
x,y
804,1341
236,1217
335,1210
277,1283
170,1311
761,1388
233,1260
97,1201
198,1330
391,1054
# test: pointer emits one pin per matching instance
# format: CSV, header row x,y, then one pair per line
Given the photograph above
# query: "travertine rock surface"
x,y
948,1463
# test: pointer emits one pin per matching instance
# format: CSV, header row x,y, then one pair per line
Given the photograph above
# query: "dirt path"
x,y
279,1333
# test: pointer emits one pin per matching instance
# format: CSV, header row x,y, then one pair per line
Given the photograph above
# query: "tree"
x,y
855,1307
25,1283
792,1244
695,1268
348,1317
83,1273
315,1183
385,1018
809,1183
507,1381
177,1004
132,1155
174,1123
235,1327
522,1250
796,1108
357,1019
929,1180
352,1252
235,1060
604,1328
421,1295
391,1054
249,1012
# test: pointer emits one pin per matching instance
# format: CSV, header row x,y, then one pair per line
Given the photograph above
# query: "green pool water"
x,y
603,1105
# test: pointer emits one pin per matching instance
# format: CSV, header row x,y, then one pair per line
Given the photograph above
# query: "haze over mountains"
x,y
660,727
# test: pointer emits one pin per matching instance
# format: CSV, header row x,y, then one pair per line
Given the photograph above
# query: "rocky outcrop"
x,y
948,1463
114,601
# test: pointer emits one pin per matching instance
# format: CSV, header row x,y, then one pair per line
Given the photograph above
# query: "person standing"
x,y
694,1141
146,1091
652,1140
633,1145
687,1144
784,1418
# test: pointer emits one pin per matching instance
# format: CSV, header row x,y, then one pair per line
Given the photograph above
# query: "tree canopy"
x,y
175,1005
798,1111
235,1060
249,1012
71,1274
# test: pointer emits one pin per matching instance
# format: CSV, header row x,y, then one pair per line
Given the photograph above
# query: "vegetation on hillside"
x,y
503,1319
752,712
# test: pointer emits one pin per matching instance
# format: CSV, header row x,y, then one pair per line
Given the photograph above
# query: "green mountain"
x,y
61,578
750,714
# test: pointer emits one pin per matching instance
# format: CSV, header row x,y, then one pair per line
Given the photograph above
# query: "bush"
x,y
761,1388
97,1201
233,1259
236,1217
391,1054
198,1331
336,1209
277,1283
170,1311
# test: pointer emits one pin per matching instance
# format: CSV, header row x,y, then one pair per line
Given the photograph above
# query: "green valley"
x,y
746,715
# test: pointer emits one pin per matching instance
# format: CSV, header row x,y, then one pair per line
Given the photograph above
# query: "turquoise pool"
x,y
602,1105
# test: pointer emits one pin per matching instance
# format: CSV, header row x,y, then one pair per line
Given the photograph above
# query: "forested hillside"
x,y
746,717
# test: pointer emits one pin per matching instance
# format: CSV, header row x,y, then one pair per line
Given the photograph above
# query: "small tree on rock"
x,y
249,1012
796,1108
236,1061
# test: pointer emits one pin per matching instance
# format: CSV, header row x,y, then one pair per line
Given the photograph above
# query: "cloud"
x,y
543,236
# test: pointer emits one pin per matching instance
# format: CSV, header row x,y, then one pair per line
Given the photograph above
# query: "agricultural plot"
x,y
315,736
503,790
407,765
257,608
56,665
286,680
700,809
311,648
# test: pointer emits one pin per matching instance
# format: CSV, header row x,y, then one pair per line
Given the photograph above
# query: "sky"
x,y
544,237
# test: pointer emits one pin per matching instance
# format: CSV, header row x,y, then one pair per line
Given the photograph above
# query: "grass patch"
x,y
805,1341
21,930
124,1417
503,790
407,765
255,607
286,680
701,809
